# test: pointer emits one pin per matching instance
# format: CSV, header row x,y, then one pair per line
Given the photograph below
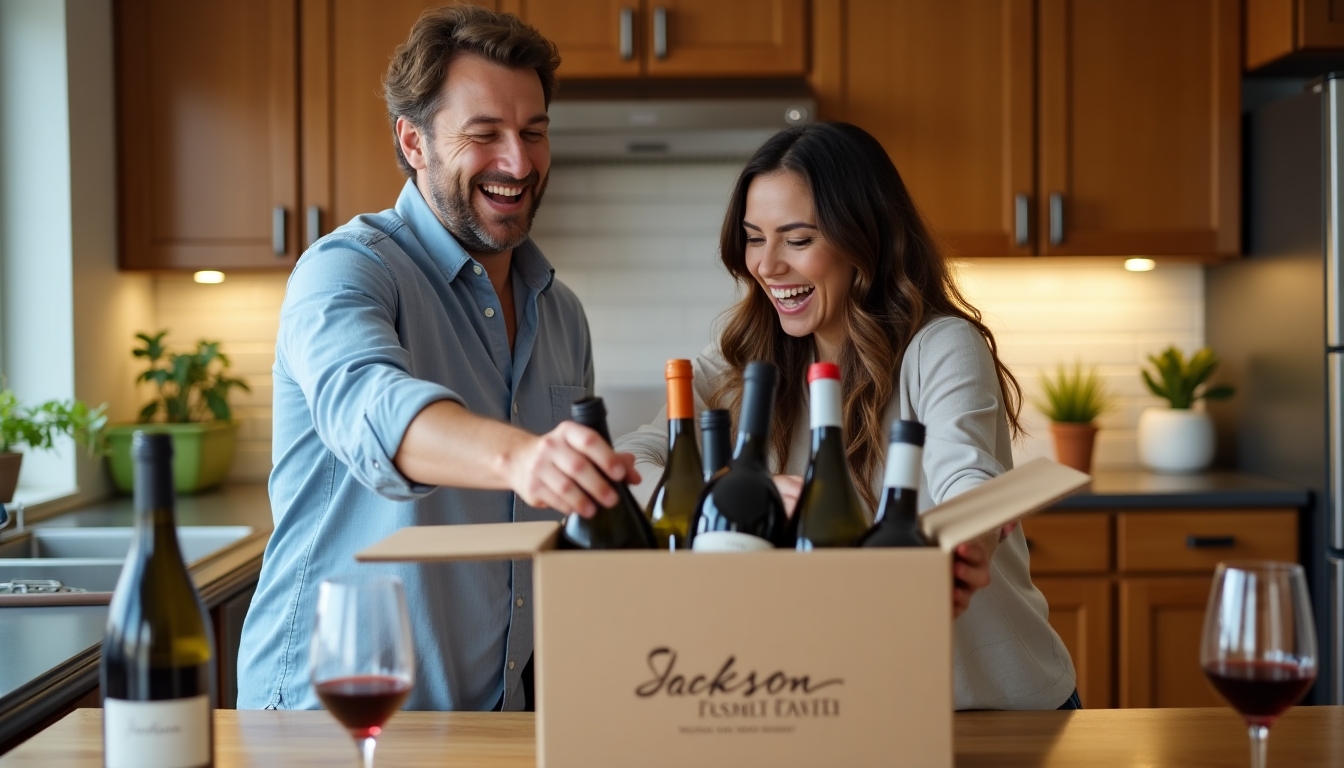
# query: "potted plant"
x,y
1177,438
37,427
1073,398
191,404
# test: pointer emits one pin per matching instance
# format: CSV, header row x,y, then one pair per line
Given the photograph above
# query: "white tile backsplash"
x,y
639,245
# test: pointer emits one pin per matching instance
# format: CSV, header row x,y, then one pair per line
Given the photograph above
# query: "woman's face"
x,y
806,279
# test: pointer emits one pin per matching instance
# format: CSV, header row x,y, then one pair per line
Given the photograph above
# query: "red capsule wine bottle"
x,y
673,500
158,653
715,428
619,526
898,515
741,509
830,511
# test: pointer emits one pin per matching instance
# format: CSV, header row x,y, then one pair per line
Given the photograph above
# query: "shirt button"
x,y
476,268
376,465
511,664
518,602
515,407
489,311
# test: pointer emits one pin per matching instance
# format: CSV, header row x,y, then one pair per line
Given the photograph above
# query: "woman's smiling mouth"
x,y
791,299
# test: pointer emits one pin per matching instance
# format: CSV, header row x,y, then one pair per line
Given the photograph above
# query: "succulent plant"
x,y
1181,382
1073,395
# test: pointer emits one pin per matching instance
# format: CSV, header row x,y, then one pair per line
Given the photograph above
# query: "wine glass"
x,y
361,662
1259,647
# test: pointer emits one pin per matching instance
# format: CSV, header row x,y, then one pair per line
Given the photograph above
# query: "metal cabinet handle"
x,y
1022,219
660,32
1056,218
627,34
279,223
1210,542
314,224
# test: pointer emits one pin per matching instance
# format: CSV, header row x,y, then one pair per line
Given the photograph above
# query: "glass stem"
x,y
1259,744
366,750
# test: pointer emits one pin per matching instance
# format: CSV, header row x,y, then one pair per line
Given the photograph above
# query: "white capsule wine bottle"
x,y
741,509
158,654
830,511
898,515
619,526
673,500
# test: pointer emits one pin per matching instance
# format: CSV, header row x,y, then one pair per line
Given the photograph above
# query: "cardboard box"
x,y
778,658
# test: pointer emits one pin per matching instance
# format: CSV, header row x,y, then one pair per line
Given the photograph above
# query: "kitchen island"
x,y
1153,738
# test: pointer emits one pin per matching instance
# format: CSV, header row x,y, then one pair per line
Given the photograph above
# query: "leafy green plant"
x,y
37,427
1181,382
1073,395
192,386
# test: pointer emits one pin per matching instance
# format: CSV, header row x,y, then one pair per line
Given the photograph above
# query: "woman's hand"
x,y
970,573
789,486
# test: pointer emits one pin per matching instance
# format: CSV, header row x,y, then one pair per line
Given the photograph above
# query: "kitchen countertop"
x,y
1157,738
1141,489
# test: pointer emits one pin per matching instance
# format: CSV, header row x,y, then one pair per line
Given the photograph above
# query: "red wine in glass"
x,y
362,703
1260,690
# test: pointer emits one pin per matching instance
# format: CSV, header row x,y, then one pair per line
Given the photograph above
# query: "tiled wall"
x,y
638,244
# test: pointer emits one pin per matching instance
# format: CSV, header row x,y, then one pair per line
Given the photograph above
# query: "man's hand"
x,y
970,573
789,487
564,469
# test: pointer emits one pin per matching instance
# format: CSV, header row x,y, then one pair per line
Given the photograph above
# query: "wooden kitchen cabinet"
x,y
1161,624
672,38
1280,30
1080,612
1064,127
207,125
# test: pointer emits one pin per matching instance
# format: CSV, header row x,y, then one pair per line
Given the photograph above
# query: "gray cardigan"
x,y
1005,655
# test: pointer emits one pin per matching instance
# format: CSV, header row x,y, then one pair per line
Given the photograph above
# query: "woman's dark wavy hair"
x,y
901,280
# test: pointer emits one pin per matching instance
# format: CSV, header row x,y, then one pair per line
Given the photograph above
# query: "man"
x,y
421,351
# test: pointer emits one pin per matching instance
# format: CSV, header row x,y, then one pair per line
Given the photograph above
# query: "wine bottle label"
x,y
905,462
824,403
728,541
156,734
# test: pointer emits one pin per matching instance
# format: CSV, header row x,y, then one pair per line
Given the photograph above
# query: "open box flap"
x,y
1014,494
484,541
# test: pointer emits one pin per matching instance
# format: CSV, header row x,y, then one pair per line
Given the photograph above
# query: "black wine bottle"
x,y
158,654
673,500
619,526
830,511
898,515
716,449
741,509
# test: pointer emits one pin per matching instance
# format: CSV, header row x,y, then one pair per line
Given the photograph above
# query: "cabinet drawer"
x,y
1069,543
1197,541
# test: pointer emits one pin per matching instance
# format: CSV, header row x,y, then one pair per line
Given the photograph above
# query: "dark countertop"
x,y
1141,489
50,654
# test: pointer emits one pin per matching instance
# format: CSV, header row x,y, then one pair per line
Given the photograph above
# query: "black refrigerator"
x,y
1274,317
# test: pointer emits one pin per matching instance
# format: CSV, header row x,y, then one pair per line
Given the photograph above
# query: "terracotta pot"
x,y
9,475
1073,444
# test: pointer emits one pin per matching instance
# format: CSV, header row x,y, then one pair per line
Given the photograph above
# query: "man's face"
x,y
486,160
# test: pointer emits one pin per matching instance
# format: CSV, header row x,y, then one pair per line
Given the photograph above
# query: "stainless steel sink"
x,y
91,558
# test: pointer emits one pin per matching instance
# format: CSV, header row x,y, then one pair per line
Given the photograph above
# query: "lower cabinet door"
x,y
1080,612
1161,622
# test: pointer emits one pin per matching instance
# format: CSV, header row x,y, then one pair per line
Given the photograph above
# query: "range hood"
x,y
680,129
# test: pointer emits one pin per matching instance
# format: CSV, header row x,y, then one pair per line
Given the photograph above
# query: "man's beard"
x,y
453,207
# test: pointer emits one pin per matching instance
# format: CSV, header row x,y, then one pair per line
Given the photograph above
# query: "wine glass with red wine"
x,y
362,662
1259,647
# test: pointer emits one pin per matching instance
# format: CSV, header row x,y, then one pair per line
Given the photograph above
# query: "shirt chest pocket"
x,y
563,396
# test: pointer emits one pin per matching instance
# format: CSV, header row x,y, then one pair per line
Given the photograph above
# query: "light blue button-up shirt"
x,y
381,318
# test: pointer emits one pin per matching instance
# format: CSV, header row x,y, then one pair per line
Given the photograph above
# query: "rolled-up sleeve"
x,y
338,340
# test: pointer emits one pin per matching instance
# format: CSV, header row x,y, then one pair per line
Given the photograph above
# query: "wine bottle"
x,y
898,515
740,509
715,426
673,500
830,511
619,526
157,669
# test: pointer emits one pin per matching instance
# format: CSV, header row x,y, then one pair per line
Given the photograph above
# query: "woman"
x,y
838,267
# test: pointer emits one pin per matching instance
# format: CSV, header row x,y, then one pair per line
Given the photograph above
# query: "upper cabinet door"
x,y
596,38
207,133
947,88
713,38
1139,127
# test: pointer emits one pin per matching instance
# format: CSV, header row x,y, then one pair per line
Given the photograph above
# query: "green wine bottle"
x,y
830,511
619,526
673,500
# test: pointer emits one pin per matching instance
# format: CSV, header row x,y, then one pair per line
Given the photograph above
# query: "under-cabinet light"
x,y
209,276
1140,265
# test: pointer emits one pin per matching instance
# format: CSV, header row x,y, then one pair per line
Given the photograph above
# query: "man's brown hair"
x,y
413,85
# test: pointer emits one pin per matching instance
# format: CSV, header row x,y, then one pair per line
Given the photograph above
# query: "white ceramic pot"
x,y
1175,440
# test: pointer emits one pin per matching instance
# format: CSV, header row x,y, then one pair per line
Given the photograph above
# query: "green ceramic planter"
x,y
202,453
